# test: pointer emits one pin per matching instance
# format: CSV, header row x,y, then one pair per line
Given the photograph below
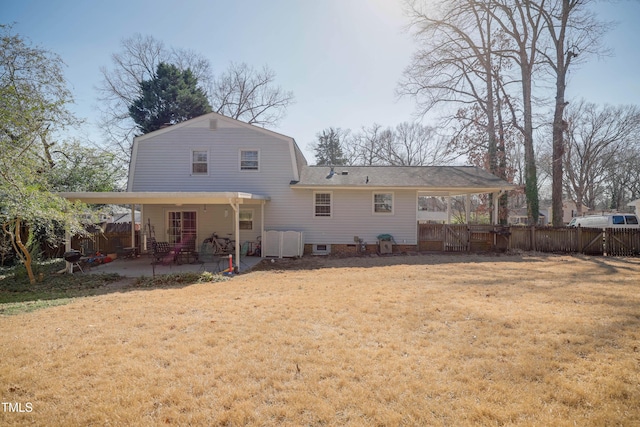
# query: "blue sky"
x,y
341,58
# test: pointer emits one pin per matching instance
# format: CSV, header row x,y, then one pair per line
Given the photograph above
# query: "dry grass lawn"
x,y
415,340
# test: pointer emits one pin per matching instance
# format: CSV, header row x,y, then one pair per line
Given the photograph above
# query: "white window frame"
x,y
252,220
373,202
181,219
192,162
315,214
244,150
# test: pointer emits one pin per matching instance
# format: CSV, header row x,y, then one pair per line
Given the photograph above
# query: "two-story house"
x,y
216,174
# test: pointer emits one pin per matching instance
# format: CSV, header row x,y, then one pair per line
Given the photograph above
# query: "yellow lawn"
x,y
416,340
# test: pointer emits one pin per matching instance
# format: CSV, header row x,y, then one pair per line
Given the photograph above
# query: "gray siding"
x,y
353,216
163,163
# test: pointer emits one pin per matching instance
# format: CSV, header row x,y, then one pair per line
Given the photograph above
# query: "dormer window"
x,y
199,162
249,160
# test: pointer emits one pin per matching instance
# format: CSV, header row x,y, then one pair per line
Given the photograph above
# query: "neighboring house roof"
x,y
447,180
523,212
125,217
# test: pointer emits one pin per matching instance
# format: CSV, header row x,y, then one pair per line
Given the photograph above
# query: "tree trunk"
x,y
558,153
25,252
531,174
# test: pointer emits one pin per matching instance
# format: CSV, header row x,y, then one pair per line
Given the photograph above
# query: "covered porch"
x,y
175,216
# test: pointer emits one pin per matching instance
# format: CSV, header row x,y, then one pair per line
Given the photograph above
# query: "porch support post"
x,y
261,228
496,200
67,248
448,209
133,226
236,211
467,207
143,235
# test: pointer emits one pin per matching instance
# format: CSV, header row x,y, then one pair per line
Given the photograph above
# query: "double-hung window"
x,y
199,162
321,204
246,219
383,203
249,160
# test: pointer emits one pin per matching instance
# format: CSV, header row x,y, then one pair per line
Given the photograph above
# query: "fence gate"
x,y
621,242
456,238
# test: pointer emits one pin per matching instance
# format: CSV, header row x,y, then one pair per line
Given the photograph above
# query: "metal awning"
x,y
232,198
164,197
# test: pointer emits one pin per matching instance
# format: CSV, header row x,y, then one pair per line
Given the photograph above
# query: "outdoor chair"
x,y
163,253
186,252
123,252
207,255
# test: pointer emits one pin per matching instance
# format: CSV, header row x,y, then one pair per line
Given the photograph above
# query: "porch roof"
x,y
162,197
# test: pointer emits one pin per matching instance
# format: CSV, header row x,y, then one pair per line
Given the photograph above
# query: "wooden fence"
x,y
484,238
109,241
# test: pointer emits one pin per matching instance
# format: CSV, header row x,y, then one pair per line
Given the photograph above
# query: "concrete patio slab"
x,y
142,266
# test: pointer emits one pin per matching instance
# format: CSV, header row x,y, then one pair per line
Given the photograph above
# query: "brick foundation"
x,y
352,249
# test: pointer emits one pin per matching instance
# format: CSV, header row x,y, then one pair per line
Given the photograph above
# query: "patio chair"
x,y
207,255
163,253
123,252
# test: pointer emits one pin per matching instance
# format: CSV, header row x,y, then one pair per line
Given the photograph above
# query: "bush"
x,y
179,279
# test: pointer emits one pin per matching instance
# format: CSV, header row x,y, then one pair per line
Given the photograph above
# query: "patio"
x,y
142,266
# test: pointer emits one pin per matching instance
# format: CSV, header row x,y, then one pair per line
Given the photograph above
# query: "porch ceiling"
x,y
161,198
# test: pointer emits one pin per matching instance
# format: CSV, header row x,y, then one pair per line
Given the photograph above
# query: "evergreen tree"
x,y
171,96
329,147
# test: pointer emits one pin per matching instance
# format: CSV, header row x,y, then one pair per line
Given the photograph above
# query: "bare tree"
x,y
413,144
120,87
623,178
408,144
455,63
461,61
363,148
241,92
596,137
250,95
572,33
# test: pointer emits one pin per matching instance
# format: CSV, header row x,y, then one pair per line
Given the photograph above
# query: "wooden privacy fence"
x,y
113,237
486,238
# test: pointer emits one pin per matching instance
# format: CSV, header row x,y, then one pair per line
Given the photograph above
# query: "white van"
x,y
606,221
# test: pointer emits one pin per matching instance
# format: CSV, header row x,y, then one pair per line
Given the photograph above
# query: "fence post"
x,y
580,247
532,238
604,242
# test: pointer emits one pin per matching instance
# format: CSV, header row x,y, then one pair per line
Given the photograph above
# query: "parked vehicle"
x,y
606,221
